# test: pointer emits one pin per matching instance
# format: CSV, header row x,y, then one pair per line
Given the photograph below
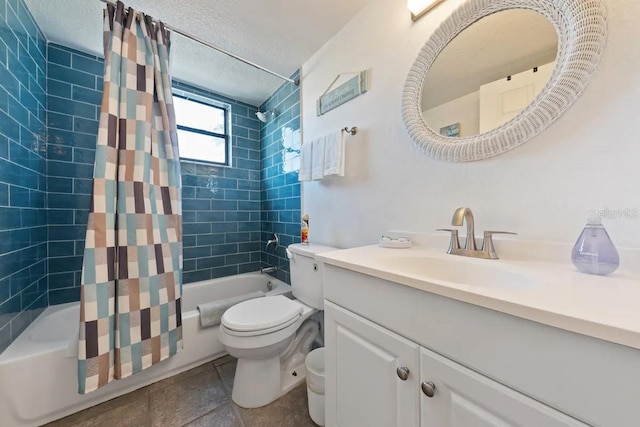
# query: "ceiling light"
x,y
419,8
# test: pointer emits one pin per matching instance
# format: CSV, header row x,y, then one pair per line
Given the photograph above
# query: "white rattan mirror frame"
x,y
581,27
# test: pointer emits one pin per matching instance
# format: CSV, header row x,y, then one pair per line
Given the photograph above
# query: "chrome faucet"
x,y
273,241
470,249
269,270
461,215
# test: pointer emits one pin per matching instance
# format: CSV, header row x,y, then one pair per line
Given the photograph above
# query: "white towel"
x,y
211,312
334,154
317,168
305,162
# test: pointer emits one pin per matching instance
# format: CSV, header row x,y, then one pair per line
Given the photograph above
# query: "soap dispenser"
x,y
594,252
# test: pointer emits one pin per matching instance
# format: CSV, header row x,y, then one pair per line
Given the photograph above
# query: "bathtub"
x,y
38,372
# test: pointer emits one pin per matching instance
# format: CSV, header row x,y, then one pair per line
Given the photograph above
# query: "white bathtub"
x,y
38,372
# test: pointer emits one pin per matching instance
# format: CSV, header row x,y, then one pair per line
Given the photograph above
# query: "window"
x,y
202,129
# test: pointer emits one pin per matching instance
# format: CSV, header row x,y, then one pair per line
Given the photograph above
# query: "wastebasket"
x,y
314,362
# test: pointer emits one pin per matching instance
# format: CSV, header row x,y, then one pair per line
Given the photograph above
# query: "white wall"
x,y
464,110
590,158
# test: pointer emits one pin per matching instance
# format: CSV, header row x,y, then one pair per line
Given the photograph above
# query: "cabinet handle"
x,y
428,388
403,372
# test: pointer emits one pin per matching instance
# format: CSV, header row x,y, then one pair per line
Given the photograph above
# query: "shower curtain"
x,y
130,317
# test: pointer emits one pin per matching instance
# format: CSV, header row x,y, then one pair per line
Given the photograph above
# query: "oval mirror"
x,y
489,73
497,72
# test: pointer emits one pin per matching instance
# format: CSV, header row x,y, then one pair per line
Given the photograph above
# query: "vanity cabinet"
x,y
375,377
489,368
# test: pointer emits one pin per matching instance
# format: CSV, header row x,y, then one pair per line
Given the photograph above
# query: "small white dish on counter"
x,y
395,242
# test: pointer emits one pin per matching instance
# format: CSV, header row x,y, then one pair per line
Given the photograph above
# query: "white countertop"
x,y
551,293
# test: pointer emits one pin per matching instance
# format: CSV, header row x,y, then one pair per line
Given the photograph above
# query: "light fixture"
x,y
419,8
266,116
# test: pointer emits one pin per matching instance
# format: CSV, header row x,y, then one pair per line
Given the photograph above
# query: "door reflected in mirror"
x,y
489,73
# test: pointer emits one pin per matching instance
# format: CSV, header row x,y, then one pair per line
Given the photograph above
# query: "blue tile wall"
x,y
280,157
221,205
74,93
23,222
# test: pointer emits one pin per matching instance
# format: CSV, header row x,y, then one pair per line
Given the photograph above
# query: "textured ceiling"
x,y
494,47
277,34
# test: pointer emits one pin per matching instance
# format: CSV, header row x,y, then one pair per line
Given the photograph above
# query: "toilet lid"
x,y
261,313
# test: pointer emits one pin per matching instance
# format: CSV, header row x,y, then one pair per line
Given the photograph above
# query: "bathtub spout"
x,y
269,270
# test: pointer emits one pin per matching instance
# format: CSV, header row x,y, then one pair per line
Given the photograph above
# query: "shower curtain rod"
x,y
221,50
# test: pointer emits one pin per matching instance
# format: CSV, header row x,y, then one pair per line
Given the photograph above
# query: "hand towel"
x,y
305,162
317,168
211,312
334,153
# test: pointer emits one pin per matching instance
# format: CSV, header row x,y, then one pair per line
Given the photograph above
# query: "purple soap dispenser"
x,y
594,252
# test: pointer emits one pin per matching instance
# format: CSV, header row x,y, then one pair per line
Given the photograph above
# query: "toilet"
x,y
271,336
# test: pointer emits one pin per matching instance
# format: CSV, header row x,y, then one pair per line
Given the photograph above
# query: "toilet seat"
x,y
261,316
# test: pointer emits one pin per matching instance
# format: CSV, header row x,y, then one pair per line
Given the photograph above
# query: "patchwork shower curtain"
x,y
130,316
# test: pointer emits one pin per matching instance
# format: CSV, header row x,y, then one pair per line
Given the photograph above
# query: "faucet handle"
x,y
487,244
454,243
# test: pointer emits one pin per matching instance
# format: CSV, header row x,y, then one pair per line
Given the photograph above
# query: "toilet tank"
x,y
307,283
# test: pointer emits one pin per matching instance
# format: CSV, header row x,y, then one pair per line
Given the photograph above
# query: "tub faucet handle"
x,y
275,241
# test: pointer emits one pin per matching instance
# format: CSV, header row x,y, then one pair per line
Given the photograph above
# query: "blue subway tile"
x,y
210,216
211,239
65,264
59,152
4,194
83,155
65,169
60,121
85,125
197,252
224,249
66,232
58,55
238,237
60,216
70,201
8,126
224,271
89,65
89,96
210,262
82,186
60,185
58,88
62,296
196,276
9,218
59,249
76,77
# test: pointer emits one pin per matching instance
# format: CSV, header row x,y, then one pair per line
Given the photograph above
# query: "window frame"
x,y
209,102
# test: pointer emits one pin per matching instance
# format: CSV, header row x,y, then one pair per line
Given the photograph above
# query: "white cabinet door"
x,y
363,385
464,398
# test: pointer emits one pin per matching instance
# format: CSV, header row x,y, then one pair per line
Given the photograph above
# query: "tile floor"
x,y
200,397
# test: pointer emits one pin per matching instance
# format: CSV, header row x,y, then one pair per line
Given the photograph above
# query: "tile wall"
x,y
280,155
49,109
23,221
74,93
221,205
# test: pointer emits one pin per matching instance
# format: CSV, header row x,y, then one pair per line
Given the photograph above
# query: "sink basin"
x,y
459,270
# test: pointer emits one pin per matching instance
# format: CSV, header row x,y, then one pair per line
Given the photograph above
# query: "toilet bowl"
x,y
271,336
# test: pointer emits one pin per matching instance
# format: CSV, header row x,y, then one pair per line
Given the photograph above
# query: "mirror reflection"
x,y
489,73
